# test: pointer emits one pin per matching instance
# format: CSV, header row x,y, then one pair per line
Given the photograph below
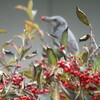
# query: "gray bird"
x,y
59,25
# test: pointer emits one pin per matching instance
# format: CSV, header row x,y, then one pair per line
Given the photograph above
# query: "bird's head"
x,y
54,20
58,23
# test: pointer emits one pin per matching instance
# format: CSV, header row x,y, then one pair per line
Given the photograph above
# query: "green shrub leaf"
x,y
33,54
64,38
27,72
82,17
84,38
85,57
24,52
30,4
51,57
3,31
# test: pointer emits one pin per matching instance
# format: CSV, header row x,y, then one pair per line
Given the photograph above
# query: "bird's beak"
x,y
46,18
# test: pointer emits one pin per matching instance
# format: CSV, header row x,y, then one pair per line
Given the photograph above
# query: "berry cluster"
x,y
73,69
24,98
84,79
17,79
73,78
34,91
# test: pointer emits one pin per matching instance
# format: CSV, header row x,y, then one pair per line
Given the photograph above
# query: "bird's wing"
x,y
72,45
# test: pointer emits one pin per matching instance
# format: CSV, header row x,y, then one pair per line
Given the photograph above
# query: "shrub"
x,y
53,77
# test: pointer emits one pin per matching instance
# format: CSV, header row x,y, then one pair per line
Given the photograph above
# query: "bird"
x,y
59,25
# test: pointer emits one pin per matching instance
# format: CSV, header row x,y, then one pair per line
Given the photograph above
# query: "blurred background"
x,y
12,19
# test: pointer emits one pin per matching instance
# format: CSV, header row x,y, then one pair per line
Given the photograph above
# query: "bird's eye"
x,y
55,20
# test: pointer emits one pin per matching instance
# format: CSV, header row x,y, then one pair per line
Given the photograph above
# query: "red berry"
x,y
1,98
36,60
1,87
43,18
71,56
60,50
62,47
66,69
94,98
6,81
40,63
19,66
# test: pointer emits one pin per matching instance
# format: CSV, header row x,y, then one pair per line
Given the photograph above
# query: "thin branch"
x,y
64,90
95,51
93,39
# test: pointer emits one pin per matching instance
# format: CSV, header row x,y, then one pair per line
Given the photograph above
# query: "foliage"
x,y
53,77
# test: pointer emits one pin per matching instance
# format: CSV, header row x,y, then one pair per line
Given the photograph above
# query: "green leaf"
x,y
55,94
32,37
21,7
8,53
20,50
12,95
87,97
34,25
27,72
32,32
44,97
81,63
6,68
33,54
18,36
28,28
14,45
12,61
84,38
58,54
2,62
3,31
30,4
97,63
27,92
24,52
82,17
64,38
85,57
39,78
10,66
33,70
7,43
29,12
51,57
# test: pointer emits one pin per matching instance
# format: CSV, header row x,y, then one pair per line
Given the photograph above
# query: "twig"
x,y
95,51
64,90
93,39
96,92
